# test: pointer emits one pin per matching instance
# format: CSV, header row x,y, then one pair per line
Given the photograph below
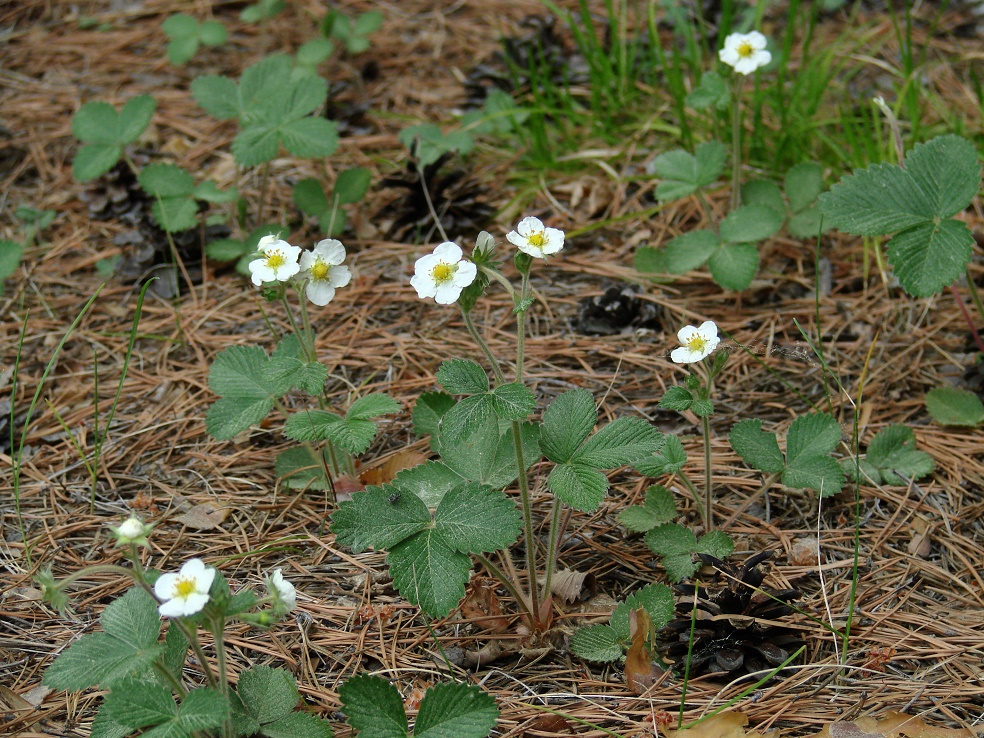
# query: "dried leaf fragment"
x,y
893,725
205,516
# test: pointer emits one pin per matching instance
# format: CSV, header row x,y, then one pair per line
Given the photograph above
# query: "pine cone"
x,y
737,627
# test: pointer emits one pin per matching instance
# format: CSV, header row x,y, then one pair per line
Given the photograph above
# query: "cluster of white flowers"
x,y
745,52
186,592
321,268
444,273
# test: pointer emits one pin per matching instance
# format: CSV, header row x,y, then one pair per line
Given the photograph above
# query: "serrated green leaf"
x,y
310,197
952,406
298,725
311,425
305,96
893,449
874,201
811,435
619,443
226,249
671,539
212,33
677,398
513,401
268,694
656,599
750,223
210,192
650,260
599,643
455,711
821,473
803,184
807,224
374,707
734,266
689,251
135,117
175,650
264,85
928,257
462,377
567,421
371,520
669,459
683,173
127,647
868,473
299,469
229,416
97,122
763,192
711,92
716,543
702,408
217,95
427,413
429,572
175,214
659,508
477,519
351,185
488,455
104,727
201,709
372,406
579,485
315,51
756,447
139,704
286,372
465,419
256,145
94,160
429,481
679,567
243,724
181,49
310,138
947,172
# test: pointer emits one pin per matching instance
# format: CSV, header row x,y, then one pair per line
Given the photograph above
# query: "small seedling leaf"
x,y
711,92
689,251
765,193
310,197
669,459
135,117
677,398
599,643
372,406
734,266
351,185
952,406
659,508
893,449
750,223
94,160
803,185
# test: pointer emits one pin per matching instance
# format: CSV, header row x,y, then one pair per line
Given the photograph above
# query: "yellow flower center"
x,y
275,260
537,240
184,588
320,270
443,272
696,343
745,50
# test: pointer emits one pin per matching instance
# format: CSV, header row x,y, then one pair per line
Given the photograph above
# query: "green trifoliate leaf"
x,y
200,710
476,519
462,377
579,485
619,443
10,258
135,117
756,447
513,401
488,455
862,472
734,266
763,192
268,694
94,160
689,251
255,146
711,92
659,508
175,214
803,184
677,398
226,249
212,33
669,459
310,138
455,711
650,260
351,185
217,95
351,434
310,197
750,223
807,224
97,122
210,192
702,408
374,707
312,53
893,449
928,257
812,434
677,546
821,473
427,413
298,725
599,643
289,369
716,543
379,518
429,572
952,406
429,481
127,647
372,406
104,727
567,421
683,173
180,24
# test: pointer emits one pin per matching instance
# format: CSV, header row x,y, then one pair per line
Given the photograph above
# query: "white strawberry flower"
x,y
443,274
698,343
277,263
324,271
281,590
531,237
186,592
745,52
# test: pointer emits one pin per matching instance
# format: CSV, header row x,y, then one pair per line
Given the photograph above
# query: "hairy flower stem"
x,y
216,626
553,544
477,338
708,512
736,142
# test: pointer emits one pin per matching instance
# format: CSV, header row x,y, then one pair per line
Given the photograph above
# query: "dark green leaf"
x,y
310,138
893,450
429,572
374,707
659,508
455,711
97,122
803,184
677,398
716,543
619,443
371,520
298,725
757,448
462,377
429,481
599,643
750,223
476,519
94,160
465,418
513,401
928,257
135,117
765,193
670,459
299,469
372,406
734,266
140,703
268,694
217,95
689,251
579,485
427,413
351,185
566,424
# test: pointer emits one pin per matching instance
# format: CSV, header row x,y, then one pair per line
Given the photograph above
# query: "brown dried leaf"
x,y
919,542
569,584
547,725
640,671
726,724
893,725
481,605
384,472
205,516
803,552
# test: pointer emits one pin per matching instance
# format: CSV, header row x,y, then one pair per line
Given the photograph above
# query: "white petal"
x,y
340,276
465,274
529,225
684,334
331,250
164,586
683,355
448,252
425,286
172,609
320,293
515,239
447,293
204,580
